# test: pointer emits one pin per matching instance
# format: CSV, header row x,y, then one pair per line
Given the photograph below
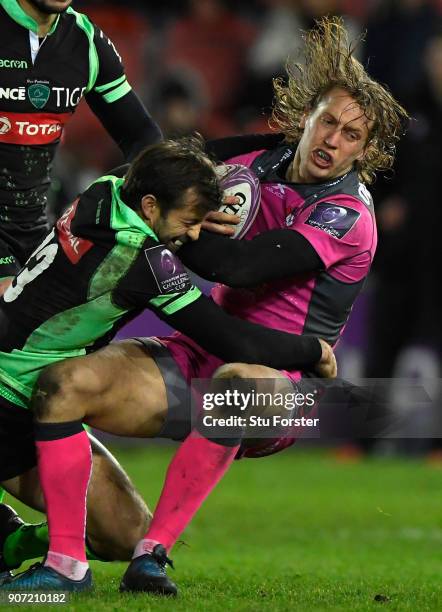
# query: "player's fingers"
x,y
333,368
217,216
218,228
231,199
327,366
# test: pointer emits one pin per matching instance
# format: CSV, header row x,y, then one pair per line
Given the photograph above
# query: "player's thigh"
x,y
268,388
118,389
247,370
135,400
259,378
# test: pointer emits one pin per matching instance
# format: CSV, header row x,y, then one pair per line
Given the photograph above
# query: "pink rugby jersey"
x,y
337,218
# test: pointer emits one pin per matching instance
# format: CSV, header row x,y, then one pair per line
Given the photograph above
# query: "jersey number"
x,y
40,259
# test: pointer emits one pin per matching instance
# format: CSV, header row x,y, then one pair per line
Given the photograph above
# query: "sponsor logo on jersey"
x,y
365,195
32,128
12,93
66,97
278,190
333,219
5,125
73,246
288,153
168,271
38,94
4,261
11,63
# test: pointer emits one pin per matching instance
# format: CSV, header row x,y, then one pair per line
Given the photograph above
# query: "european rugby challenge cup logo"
x,y
39,94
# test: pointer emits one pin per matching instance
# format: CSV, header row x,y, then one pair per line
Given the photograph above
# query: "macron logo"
x,y
10,63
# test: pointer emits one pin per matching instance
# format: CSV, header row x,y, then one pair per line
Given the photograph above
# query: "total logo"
x,y
28,128
5,125
32,128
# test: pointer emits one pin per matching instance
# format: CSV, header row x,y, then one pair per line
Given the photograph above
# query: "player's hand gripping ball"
x,y
241,182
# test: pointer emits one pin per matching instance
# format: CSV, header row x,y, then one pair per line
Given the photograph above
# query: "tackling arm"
x,y
233,339
270,256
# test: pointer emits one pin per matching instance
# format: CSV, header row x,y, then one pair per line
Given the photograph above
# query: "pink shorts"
x,y
195,362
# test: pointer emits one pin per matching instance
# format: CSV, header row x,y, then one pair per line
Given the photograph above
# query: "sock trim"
x,y
46,432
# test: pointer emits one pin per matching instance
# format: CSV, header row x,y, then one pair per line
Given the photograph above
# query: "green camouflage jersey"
x,y
98,268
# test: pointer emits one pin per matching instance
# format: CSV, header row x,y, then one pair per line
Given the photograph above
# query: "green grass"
x,y
297,531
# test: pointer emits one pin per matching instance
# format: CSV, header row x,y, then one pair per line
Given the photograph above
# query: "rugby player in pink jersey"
x,y
301,266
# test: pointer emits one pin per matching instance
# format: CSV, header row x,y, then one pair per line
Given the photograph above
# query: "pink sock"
x,y
64,466
196,468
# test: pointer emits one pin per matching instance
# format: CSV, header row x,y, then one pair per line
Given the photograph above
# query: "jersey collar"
x,y
16,13
124,217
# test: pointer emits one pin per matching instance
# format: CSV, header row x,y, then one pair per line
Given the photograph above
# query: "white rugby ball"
x,y
238,180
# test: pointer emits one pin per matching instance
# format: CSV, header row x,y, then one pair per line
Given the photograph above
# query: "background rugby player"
x,y
50,58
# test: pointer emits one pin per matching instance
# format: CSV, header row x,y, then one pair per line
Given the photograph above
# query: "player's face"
x,y
335,136
49,7
178,225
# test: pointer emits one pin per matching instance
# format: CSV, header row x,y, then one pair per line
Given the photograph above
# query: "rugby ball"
x,y
238,180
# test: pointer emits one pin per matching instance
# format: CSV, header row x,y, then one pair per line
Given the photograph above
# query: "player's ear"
x,y
303,119
149,206
370,143
364,151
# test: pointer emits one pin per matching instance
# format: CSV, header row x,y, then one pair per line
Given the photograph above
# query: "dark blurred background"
x,y
207,65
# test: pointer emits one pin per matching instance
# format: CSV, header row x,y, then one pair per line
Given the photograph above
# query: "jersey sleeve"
x,y
111,83
338,228
157,280
116,105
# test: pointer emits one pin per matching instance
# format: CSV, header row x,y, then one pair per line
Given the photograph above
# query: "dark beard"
x,y
40,5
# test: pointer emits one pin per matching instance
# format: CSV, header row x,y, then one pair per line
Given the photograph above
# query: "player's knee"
x,y
47,388
225,425
60,389
232,370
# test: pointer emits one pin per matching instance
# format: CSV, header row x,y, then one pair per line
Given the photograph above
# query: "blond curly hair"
x,y
329,62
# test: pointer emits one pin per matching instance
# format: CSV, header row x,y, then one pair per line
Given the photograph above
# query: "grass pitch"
x,y
296,531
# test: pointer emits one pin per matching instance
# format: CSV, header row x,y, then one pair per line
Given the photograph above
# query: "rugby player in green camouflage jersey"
x,y
110,256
